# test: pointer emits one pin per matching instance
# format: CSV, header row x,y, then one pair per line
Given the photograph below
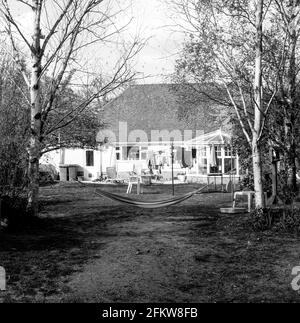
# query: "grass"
x,y
85,248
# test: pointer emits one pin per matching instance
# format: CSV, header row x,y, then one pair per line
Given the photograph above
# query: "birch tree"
x,y
225,47
61,34
289,12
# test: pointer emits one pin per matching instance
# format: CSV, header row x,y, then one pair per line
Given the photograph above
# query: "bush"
x,y
14,132
46,178
283,219
284,191
261,219
12,210
247,182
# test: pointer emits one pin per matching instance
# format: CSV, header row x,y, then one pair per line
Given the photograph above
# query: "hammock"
x,y
148,205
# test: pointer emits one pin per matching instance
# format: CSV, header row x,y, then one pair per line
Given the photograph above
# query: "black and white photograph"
x,y
149,154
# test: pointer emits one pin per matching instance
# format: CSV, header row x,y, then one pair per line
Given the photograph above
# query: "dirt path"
x,y
187,254
89,249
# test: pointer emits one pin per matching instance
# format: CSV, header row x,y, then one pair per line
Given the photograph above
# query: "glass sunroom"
x,y
213,157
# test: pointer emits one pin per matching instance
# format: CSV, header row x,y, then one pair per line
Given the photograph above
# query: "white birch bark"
x,y
36,112
258,114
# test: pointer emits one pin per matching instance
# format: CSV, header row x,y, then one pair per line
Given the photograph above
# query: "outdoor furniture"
x,y
250,195
156,175
146,179
135,180
112,176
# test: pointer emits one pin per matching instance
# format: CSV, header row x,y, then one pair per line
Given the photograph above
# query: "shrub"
x,y
289,220
284,191
46,178
12,211
284,219
247,182
261,219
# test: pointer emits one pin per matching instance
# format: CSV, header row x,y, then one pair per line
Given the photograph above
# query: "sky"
x,y
159,55
151,20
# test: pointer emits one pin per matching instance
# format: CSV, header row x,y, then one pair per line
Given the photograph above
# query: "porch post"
x,y
197,160
208,159
223,158
237,165
101,161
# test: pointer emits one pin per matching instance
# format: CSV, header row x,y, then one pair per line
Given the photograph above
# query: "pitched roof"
x,y
150,107
217,137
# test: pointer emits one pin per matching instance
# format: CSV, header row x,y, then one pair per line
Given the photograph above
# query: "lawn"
x,y
85,248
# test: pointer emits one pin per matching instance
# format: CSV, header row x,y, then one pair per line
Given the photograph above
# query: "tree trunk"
x,y
292,178
257,174
256,150
274,157
33,173
290,123
36,113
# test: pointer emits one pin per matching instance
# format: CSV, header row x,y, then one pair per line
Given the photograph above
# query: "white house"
x,y
145,110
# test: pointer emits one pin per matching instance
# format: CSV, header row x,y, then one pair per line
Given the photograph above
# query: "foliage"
x,y
285,193
247,182
224,46
261,219
56,49
283,219
71,131
14,125
12,210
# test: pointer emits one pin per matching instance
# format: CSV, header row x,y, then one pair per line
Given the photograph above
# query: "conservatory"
x,y
208,157
213,158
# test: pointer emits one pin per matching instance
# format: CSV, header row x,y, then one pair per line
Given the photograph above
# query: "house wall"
x,y
78,157
103,158
127,161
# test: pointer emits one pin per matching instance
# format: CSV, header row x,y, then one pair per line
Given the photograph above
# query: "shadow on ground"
x,y
85,248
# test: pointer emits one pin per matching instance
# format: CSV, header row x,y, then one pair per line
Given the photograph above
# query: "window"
x,y
89,158
133,153
227,151
217,167
194,153
118,153
203,152
229,161
130,153
230,165
202,165
144,153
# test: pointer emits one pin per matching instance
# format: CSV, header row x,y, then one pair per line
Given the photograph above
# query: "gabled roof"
x,y
150,107
217,137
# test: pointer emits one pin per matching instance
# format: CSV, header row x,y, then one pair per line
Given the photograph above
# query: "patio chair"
x,y
157,176
112,175
135,180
